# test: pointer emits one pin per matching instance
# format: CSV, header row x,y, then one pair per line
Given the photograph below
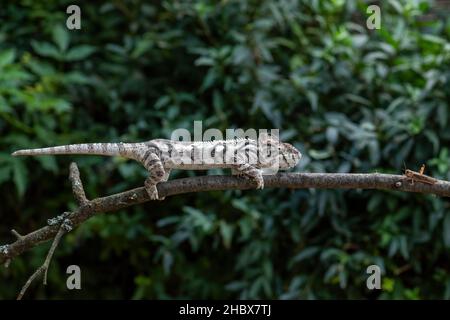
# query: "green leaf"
x,y
163,101
79,53
442,114
204,61
48,163
46,49
434,39
7,57
209,80
397,6
306,253
167,261
199,218
41,68
20,177
226,230
319,154
142,47
433,139
332,135
59,105
5,173
167,221
61,37
77,78
403,245
313,99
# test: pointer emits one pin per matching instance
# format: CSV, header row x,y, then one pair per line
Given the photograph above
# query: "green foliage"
x,y
351,99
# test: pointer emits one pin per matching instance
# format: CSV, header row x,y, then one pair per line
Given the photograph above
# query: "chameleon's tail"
x,y
104,149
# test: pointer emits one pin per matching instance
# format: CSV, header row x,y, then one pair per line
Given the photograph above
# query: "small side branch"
x,y
77,185
43,269
16,234
65,225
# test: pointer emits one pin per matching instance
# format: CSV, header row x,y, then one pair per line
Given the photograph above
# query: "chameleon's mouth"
x,y
289,160
293,161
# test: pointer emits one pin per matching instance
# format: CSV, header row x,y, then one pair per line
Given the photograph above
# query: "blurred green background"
x,y
351,99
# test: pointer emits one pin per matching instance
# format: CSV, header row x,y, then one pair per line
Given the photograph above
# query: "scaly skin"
x,y
246,157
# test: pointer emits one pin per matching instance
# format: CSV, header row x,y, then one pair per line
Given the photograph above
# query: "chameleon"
x,y
245,157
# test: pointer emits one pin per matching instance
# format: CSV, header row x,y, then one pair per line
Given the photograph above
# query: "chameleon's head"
x,y
288,156
281,155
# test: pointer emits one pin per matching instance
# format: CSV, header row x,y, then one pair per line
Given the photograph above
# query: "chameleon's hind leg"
x,y
156,171
164,179
248,171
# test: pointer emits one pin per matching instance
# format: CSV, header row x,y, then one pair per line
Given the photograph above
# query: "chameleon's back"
x,y
203,155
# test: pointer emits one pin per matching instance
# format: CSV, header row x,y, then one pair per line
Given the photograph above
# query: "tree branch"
x,y
132,197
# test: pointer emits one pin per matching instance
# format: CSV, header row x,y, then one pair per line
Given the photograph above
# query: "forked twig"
x,y
64,227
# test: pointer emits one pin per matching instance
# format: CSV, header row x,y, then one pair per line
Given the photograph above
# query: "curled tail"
x,y
104,149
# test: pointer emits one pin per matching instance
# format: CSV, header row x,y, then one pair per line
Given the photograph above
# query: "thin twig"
x,y
16,234
64,224
44,267
77,185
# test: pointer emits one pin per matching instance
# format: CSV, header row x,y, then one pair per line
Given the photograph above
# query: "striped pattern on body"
x,y
189,155
244,156
212,154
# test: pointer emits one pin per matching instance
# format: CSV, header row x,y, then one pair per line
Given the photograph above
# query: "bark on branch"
x,y
132,197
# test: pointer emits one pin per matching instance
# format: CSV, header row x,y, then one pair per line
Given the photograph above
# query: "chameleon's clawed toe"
x,y
259,183
152,191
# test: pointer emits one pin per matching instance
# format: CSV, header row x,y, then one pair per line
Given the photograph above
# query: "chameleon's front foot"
x,y
259,181
252,174
256,179
152,191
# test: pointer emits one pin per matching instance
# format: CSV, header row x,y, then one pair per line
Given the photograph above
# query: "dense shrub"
x,y
351,99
